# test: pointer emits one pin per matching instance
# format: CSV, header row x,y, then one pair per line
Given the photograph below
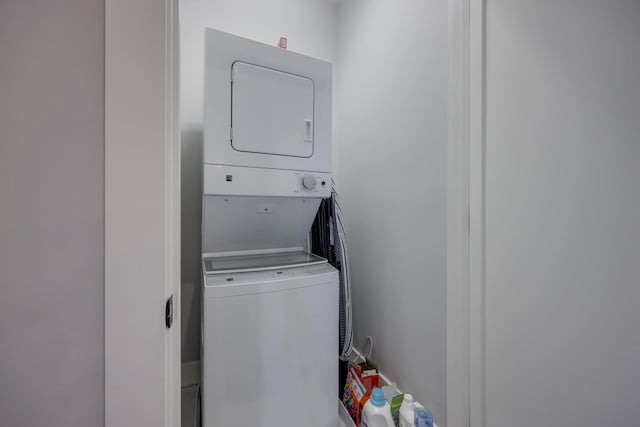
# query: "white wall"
x,y
562,209
390,168
309,25
52,213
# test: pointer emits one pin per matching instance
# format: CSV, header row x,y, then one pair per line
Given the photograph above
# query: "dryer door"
x,y
271,111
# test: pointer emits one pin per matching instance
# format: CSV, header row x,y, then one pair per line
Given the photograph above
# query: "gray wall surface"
x,y
562,210
390,162
51,213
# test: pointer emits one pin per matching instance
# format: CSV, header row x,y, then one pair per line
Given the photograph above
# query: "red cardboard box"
x,y
361,379
367,373
354,397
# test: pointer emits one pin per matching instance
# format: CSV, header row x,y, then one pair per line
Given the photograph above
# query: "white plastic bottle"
x,y
377,412
407,409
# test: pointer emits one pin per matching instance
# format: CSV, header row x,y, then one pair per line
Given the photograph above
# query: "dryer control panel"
x,y
243,181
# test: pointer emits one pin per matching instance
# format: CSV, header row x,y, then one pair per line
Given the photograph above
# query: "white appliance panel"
x,y
271,111
239,223
269,349
239,181
257,66
263,261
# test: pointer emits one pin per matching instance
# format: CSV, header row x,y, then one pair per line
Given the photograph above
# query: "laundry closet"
x,y
286,108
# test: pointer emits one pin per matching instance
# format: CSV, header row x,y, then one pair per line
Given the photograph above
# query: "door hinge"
x,y
168,312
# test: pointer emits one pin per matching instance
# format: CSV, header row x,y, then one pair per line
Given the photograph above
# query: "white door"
x,y
561,342
271,111
142,214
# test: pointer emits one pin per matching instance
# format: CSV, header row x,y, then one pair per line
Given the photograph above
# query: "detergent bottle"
x,y
407,411
423,418
377,412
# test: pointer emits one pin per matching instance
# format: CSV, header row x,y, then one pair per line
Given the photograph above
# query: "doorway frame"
x,y
466,405
145,22
142,213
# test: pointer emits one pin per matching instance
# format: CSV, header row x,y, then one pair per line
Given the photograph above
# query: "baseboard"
x,y
191,373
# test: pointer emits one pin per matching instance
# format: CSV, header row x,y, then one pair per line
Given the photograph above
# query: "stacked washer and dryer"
x,y
270,309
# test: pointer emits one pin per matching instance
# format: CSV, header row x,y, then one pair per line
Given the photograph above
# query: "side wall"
x,y
52,213
562,208
309,25
390,168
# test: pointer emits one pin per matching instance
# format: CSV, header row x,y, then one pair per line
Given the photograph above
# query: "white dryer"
x,y
269,336
267,144
265,107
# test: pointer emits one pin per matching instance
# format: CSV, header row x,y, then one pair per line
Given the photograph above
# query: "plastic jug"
x,y
423,418
407,411
377,412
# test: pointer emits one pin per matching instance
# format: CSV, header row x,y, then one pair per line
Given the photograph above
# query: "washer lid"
x,y
260,262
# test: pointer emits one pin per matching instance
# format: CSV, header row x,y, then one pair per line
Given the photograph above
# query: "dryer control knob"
x,y
309,182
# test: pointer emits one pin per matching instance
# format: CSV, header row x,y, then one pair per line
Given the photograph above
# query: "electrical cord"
x,y
327,238
342,256
370,341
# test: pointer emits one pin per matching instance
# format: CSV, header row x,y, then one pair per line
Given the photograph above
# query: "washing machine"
x,y
269,336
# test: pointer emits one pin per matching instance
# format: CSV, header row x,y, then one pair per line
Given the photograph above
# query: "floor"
x,y
189,410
